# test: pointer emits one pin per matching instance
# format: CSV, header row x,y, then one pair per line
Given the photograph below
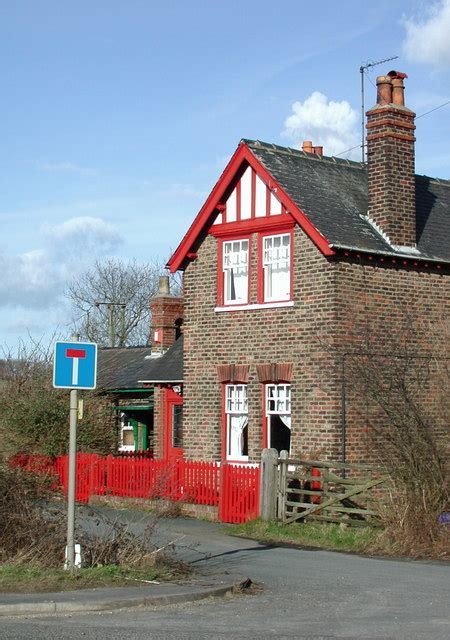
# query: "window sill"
x,y
254,307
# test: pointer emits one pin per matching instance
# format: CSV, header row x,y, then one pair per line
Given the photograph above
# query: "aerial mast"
x,y
362,69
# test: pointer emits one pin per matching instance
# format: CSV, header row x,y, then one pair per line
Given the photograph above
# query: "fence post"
x,y
269,472
282,476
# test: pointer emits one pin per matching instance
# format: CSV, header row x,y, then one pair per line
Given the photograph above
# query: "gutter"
x,y
403,256
161,381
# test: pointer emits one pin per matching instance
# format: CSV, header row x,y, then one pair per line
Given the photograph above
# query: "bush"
x,y
33,530
24,534
34,416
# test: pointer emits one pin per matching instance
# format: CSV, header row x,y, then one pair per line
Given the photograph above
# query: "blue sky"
x,y
118,117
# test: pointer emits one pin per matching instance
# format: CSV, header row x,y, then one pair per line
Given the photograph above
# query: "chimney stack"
x,y
307,146
390,158
167,316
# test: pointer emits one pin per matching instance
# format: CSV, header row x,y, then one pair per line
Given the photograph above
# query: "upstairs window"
x,y
236,412
276,263
235,272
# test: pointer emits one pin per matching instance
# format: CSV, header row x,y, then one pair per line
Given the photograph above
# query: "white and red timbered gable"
x,y
250,199
250,209
247,202
245,198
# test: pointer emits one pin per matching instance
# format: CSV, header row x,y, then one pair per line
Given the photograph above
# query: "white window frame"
x,y
278,403
236,407
125,426
274,258
235,263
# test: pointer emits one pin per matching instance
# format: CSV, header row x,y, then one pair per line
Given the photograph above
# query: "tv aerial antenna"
x,y
362,70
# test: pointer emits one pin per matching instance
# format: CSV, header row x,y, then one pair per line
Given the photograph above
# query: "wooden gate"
x,y
326,491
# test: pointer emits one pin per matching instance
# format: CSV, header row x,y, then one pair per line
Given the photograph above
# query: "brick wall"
x,y
158,422
260,336
334,303
394,311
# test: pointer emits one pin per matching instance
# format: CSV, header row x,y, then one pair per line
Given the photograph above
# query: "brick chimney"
x,y
167,317
390,158
307,147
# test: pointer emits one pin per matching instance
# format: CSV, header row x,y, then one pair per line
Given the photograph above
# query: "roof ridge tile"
x,y
302,154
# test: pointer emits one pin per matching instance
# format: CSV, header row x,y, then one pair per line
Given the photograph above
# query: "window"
x,y
127,442
278,416
177,426
235,272
236,412
276,264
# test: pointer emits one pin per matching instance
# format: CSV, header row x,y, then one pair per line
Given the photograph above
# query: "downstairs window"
x,y
278,416
236,413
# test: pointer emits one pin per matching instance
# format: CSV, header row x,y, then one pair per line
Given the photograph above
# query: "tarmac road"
x,y
307,594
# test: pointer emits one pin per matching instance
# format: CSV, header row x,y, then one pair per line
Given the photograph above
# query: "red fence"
x,y
239,492
233,488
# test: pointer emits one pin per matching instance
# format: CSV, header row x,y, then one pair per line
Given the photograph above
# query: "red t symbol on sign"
x,y
75,354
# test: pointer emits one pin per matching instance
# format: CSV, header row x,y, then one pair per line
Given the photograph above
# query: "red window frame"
x,y
221,273
266,416
224,435
288,230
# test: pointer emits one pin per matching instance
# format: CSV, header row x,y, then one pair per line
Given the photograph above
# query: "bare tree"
x,y
398,382
111,302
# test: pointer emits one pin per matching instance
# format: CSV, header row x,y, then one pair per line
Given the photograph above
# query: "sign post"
x,y
74,367
70,560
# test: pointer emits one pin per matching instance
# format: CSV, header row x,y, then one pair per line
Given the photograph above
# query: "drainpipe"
x,y
343,414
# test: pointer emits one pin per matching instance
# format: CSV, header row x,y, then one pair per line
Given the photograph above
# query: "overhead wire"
x,y
358,146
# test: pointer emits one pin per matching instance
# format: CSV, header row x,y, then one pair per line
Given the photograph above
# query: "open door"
x,y
173,425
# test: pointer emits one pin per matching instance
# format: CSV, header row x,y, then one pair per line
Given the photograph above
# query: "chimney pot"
x,y
164,286
318,151
307,146
398,92
384,90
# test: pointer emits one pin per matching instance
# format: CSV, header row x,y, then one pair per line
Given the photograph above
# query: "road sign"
x,y
75,365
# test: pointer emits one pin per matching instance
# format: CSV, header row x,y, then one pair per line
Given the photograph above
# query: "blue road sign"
x,y
75,365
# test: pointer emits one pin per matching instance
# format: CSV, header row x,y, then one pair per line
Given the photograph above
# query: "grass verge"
x,y
320,536
31,578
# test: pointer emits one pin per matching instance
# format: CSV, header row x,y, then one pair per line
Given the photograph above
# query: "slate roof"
x,y
332,193
128,367
168,368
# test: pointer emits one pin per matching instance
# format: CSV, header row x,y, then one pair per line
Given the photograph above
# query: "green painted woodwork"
x,y
134,407
149,392
144,437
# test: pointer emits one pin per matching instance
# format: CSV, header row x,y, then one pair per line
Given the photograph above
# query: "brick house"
x,y
293,251
128,376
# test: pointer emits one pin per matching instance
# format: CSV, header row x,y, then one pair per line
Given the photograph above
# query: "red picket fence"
x,y
90,475
233,488
33,462
239,493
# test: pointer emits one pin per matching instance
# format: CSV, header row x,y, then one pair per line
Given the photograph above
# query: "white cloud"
x,y
327,123
428,35
37,279
82,235
178,190
65,167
